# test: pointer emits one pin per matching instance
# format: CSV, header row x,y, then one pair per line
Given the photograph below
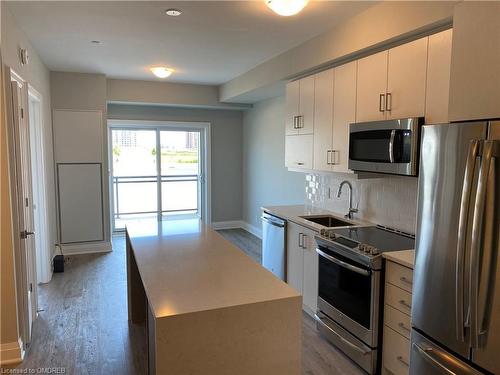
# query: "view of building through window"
x,y
146,184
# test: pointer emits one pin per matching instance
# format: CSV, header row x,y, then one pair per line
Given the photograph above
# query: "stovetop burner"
x,y
367,242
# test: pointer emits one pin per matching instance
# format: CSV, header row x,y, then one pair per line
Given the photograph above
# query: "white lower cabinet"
x,y
397,311
302,264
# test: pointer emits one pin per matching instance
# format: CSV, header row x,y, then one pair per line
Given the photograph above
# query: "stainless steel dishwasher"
x,y
273,244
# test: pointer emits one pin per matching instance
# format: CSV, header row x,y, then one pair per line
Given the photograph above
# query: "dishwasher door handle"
x,y
276,224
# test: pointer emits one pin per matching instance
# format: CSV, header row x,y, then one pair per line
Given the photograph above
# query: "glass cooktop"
x,y
384,240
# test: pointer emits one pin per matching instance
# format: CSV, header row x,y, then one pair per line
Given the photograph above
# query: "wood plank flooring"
x,y
83,327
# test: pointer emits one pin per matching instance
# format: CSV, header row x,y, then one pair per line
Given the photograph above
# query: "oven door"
x,y
384,146
348,292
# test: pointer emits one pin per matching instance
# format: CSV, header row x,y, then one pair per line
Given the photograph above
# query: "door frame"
x,y
205,151
37,148
23,266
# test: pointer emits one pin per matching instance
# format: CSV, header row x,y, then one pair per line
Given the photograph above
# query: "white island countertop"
x,y
186,267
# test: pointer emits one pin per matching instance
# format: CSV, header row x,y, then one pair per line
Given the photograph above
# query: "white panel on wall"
x,y
78,136
80,202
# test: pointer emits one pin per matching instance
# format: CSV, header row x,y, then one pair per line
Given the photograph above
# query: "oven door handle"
x,y
343,264
344,340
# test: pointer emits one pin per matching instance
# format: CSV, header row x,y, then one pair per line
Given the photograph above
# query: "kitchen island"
x,y
208,307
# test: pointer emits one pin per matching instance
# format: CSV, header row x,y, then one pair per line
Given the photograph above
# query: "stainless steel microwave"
x,y
390,146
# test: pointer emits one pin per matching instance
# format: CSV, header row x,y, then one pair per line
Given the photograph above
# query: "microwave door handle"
x,y
391,145
462,233
343,264
478,298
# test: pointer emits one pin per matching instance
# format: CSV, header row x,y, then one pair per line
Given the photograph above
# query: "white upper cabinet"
x,y
406,78
438,77
300,106
323,120
344,113
292,107
299,151
306,106
371,87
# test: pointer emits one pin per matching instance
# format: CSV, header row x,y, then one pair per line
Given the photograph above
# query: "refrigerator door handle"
x,y
473,152
481,246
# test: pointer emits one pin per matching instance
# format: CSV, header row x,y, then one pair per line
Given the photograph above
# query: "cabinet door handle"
x,y
300,122
295,122
406,280
381,103
300,239
401,359
402,326
403,303
334,159
328,157
388,102
300,163
304,238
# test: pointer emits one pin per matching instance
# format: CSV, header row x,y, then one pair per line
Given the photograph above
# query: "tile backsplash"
x,y
390,201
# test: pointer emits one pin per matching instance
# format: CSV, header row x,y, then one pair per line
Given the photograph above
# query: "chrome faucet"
x,y
339,192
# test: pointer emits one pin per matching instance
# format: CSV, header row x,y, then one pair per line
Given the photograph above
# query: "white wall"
x,y
226,138
266,181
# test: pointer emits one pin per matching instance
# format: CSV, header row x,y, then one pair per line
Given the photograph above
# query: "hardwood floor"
x,y
83,327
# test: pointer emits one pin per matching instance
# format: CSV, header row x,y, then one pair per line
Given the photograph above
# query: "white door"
x,y
295,256
344,113
407,70
323,117
306,105
24,195
292,107
299,151
438,78
371,87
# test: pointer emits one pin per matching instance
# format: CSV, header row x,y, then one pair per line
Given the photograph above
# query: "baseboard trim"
x,y
256,231
238,224
227,224
11,353
87,248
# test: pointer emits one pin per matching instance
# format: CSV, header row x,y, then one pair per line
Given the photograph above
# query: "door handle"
x,y
334,159
300,240
428,356
481,245
391,145
388,102
402,302
328,157
462,233
405,280
25,233
381,103
402,360
402,326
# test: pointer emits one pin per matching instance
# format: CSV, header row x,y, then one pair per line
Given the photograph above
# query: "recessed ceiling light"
x,y
286,7
161,71
173,12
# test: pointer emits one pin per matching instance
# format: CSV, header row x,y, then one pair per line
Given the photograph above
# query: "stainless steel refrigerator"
x,y
456,287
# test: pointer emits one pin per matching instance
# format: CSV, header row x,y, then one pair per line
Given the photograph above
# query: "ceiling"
x,y
210,43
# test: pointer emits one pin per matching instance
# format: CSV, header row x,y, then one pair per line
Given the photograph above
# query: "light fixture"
x,y
161,71
173,12
286,7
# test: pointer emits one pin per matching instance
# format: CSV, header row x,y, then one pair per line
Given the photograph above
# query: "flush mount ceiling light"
x,y
286,7
173,12
161,71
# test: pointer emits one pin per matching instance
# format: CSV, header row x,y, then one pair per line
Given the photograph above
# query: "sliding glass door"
x,y
156,173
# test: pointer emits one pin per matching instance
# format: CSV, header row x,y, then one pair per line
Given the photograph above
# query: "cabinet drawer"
x,y
398,321
398,298
396,355
399,275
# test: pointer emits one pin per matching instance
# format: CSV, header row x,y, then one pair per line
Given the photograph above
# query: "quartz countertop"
x,y
295,214
404,257
186,267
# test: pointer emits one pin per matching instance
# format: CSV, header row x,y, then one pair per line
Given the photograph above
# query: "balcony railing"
x,y
135,195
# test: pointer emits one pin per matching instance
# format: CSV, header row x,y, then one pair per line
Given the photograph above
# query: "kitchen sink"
x,y
327,221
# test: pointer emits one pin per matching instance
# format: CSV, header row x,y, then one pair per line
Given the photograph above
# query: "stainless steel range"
x,y
349,288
